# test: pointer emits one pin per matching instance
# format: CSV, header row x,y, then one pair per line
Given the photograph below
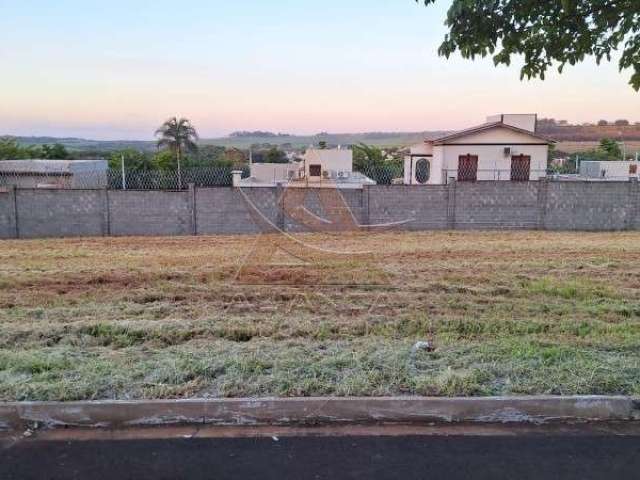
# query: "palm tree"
x,y
178,135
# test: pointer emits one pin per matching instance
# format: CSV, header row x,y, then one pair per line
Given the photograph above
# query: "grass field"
x,y
507,313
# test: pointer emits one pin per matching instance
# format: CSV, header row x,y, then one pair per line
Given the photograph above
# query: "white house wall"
x,y
492,162
336,160
496,135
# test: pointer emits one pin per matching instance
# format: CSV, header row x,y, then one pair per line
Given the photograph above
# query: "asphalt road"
x,y
554,455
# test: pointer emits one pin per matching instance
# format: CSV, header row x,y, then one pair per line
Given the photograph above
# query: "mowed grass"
x,y
508,313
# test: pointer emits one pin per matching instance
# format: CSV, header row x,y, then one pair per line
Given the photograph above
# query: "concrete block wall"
x,y
340,199
60,213
597,206
416,207
634,200
7,213
591,206
487,205
226,211
149,213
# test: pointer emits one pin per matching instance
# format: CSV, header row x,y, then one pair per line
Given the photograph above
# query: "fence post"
x,y
634,193
366,213
192,209
280,218
106,212
451,204
14,197
543,187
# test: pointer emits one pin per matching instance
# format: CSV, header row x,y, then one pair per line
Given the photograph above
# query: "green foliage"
x,y
54,152
10,149
610,148
366,157
545,33
370,161
134,160
275,155
166,160
177,135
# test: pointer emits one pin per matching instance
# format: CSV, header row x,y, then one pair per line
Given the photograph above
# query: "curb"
x,y
315,411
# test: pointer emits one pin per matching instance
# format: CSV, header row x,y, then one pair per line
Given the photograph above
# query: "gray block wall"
x,y
354,199
60,213
413,207
591,206
487,205
7,213
596,206
231,211
149,213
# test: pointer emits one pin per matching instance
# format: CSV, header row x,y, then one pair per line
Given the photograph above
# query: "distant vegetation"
x,y
238,144
11,149
257,133
620,129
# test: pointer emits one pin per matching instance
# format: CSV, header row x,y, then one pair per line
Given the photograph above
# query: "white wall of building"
x,y
331,160
610,170
494,162
272,173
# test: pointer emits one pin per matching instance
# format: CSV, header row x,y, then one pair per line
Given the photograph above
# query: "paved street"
x,y
450,455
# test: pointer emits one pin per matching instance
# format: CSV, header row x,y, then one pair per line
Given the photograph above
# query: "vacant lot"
x,y
506,313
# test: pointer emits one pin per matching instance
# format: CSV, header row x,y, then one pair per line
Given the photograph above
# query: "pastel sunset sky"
x,y
117,69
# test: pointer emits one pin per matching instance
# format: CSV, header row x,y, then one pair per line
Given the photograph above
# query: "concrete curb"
x,y
315,411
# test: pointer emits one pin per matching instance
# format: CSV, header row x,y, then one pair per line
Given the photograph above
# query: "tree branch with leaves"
x,y
546,33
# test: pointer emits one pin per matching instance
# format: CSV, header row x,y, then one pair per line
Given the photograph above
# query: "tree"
x,y
602,123
179,136
134,161
621,123
545,33
610,148
10,149
370,161
275,155
55,152
367,157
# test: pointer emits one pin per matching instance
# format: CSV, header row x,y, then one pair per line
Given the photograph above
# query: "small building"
x,y
620,170
80,174
318,168
506,147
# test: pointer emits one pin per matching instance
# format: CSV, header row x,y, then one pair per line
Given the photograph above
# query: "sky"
x,y
118,69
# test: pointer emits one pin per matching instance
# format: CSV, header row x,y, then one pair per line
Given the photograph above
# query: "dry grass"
x,y
508,313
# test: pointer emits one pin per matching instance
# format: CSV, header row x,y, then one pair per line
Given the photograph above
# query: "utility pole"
x,y
124,176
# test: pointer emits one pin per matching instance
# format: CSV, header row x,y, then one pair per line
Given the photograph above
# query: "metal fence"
x,y
221,176
115,179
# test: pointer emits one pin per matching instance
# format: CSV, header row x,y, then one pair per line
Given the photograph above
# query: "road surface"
x,y
450,453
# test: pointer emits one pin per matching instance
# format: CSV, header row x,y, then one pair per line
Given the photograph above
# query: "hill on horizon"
x,y
242,140
583,134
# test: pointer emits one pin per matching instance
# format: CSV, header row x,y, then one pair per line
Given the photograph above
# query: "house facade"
x,y
506,147
318,168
